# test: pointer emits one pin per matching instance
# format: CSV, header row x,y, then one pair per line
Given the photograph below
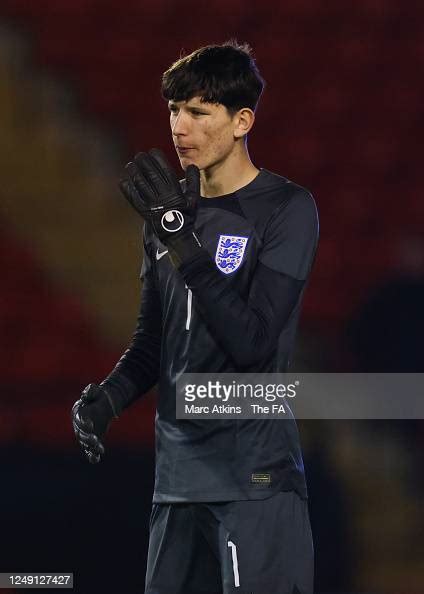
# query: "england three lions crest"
x,y
230,252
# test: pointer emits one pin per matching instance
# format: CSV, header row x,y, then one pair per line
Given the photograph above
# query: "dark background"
x,y
342,116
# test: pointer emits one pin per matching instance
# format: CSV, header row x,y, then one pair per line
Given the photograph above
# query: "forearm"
x,y
248,329
137,371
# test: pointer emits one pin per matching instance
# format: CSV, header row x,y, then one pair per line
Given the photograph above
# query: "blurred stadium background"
x,y
341,115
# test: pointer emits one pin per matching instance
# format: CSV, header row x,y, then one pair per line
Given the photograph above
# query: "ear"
x,y
243,122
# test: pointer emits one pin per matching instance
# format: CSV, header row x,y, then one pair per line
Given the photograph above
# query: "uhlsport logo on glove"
x,y
172,221
230,252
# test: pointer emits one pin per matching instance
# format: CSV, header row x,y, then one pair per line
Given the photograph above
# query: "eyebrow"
x,y
189,107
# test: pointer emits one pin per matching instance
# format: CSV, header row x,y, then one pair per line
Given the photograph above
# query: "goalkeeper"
x,y
227,255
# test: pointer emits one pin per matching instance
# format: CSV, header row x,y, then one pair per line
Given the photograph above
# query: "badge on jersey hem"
x,y
229,252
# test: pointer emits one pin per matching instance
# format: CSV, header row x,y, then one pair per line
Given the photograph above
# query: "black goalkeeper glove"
x,y
91,417
152,188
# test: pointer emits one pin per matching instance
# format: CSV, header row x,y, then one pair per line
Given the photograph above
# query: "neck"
x,y
228,176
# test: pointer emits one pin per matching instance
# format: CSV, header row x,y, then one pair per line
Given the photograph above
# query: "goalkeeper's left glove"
x,y
152,188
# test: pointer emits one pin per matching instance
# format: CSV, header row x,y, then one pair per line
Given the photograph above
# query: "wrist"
x,y
112,404
185,247
119,390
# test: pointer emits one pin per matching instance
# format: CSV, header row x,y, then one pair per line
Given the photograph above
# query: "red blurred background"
x,y
342,116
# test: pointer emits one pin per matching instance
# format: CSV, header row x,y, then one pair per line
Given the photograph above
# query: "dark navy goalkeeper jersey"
x,y
234,309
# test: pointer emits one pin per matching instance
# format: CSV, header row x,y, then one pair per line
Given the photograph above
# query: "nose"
x,y
179,125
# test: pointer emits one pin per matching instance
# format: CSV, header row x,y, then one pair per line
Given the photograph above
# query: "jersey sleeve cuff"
x,y
120,390
186,249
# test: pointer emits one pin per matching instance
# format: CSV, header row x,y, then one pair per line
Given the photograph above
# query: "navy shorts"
x,y
235,547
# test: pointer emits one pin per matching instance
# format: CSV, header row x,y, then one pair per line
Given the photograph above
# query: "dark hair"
x,y
225,74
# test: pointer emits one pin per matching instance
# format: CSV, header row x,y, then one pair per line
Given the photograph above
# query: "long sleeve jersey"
x,y
234,308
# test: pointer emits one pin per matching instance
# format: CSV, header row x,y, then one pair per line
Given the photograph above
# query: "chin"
x,y
186,161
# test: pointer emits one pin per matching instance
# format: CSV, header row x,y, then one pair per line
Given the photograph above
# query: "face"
x,y
203,133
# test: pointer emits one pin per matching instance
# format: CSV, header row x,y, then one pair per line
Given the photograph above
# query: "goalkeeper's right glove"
x,y
91,417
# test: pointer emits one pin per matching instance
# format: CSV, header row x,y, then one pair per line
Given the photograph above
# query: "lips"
x,y
183,149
